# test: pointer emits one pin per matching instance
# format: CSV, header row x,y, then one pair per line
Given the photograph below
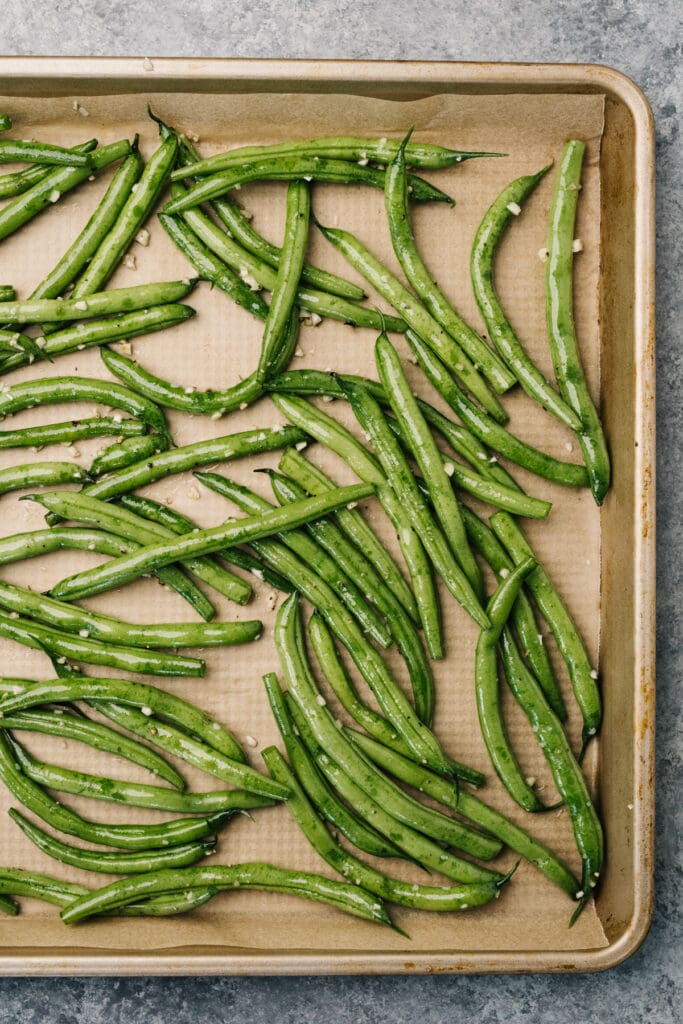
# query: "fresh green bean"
x,y
255,875
40,474
131,218
109,630
551,606
70,431
209,267
419,847
372,667
79,336
487,430
471,807
124,453
403,241
136,794
523,617
560,318
428,457
323,797
123,691
5,122
112,863
48,190
125,837
155,511
251,267
156,555
17,150
313,480
54,390
101,737
402,482
115,300
7,293
564,767
13,344
39,543
334,436
336,675
8,906
404,893
359,570
130,659
17,182
501,332
380,151
487,691
291,168
416,316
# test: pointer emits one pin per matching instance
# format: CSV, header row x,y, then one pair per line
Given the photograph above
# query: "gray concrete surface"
x,y
643,39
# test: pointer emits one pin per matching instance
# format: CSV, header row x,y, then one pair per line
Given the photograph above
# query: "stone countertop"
x,y
643,40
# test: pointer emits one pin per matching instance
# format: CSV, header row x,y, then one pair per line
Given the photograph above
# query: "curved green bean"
x,y
40,474
125,453
560,319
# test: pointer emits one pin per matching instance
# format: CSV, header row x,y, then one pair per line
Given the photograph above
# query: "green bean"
x,y
323,797
523,617
209,267
404,893
381,151
7,293
5,122
79,506
416,316
73,619
132,216
16,151
125,837
334,436
336,675
38,543
100,223
191,456
101,737
154,556
83,335
52,890
419,847
289,272
112,863
49,190
124,453
252,267
313,480
123,691
471,807
13,344
372,667
501,332
136,794
254,875
147,508
363,575
402,482
70,431
560,319
115,300
418,275
8,906
554,611
17,182
130,659
291,168
40,474
565,770
289,643
54,390
428,457
487,691
490,432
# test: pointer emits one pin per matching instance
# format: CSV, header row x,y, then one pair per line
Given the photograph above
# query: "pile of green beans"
x,y
314,545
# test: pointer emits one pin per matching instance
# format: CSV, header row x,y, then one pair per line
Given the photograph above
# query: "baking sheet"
x,y
221,344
